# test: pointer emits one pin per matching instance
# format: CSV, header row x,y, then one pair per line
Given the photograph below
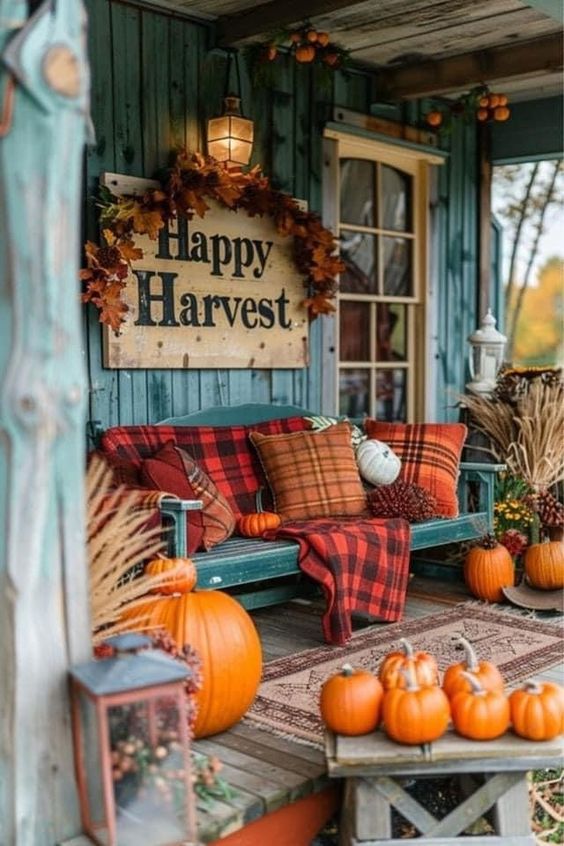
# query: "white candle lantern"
x,y
487,346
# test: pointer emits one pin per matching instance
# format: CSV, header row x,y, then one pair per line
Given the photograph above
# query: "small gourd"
x,y
377,462
537,710
488,567
544,565
305,53
414,714
253,525
350,702
180,574
422,663
487,673
480,714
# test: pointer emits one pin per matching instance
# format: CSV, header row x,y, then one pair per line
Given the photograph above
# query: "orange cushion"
x,y
312,474
429,454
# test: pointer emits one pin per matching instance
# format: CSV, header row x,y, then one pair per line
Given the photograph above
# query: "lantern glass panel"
x,y
149,775
90,750
242,128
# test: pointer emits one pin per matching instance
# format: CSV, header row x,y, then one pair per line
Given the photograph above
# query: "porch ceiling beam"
x,y
543,55
273,15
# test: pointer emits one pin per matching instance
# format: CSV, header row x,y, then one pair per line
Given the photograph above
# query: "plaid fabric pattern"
x,y
429,454
362,565
223,452
312,474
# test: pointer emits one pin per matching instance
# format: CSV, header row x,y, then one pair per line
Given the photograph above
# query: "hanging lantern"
x,y
230,137
486,355
132,748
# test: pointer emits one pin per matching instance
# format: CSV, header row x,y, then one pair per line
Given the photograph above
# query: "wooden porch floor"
x,y
268,772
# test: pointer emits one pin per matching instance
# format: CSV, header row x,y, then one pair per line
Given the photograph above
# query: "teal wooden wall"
x,y
156,78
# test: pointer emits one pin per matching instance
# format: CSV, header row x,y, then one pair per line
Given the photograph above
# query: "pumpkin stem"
x,y
474,683
532,686
407,647
472,663
258,501
410,678
347,670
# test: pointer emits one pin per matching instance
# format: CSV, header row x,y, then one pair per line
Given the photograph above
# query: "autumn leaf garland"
x,y
191,180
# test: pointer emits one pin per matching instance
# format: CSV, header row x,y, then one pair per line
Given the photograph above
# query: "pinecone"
x,y
488,541
108,257
550,511
402,499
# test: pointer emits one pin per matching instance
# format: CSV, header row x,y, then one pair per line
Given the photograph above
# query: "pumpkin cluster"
x,y
415,709
307,45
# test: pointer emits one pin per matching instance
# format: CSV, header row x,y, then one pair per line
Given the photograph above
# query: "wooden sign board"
x,y
220,291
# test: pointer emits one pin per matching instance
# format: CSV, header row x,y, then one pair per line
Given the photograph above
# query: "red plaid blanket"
x,y
361,565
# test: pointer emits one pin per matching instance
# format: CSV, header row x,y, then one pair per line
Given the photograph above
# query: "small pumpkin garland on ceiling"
x,y
192,180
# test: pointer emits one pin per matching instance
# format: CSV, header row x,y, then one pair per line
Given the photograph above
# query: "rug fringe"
x,y
270,729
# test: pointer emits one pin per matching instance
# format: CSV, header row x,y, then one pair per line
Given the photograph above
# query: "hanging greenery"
x,y
479,104
191,181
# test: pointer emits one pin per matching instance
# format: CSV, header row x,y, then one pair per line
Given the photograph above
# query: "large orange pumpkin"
x,y
544,565
487,673
253,525
488,568
350,702
537,711
225,638
415,714
422,663
480,714
181,574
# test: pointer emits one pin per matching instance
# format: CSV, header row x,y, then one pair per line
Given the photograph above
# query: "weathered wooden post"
x,y
43,591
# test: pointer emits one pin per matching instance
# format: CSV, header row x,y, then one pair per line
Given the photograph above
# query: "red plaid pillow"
x,y
223,452
174,471
429,454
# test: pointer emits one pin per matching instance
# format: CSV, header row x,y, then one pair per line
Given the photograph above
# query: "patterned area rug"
x,y
289,693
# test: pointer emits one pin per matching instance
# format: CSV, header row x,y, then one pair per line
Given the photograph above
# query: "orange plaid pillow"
x,y
429,455
312,474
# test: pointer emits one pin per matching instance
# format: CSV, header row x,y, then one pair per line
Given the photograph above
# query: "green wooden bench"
x,y
260,572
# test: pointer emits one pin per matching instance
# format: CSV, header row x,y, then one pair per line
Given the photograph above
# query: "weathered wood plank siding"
x,y
156,79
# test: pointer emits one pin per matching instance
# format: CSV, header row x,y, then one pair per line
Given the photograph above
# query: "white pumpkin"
x,y
377,463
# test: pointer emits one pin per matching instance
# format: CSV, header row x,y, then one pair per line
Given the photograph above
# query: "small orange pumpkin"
x,y
434,118
487,673
488,568
350,702
253,525
479,714
323,38
182,573
423,664
544,565
537,710
414,714
305,53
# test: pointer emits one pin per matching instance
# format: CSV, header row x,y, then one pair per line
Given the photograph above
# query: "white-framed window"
x,y
380,210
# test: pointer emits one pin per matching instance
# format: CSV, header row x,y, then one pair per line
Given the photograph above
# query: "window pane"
x,y
391,395
357,191
391,332
397,267
354,386
354,325
358,251
396,199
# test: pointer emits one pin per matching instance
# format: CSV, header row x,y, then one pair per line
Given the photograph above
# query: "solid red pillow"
x,y
173,470
429,455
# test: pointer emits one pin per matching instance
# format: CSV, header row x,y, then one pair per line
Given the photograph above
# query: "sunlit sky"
x,y
551,242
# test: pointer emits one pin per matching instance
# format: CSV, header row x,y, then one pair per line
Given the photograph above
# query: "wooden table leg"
x,y
511,811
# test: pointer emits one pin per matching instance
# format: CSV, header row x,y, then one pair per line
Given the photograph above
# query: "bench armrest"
x,y
484,475
173,514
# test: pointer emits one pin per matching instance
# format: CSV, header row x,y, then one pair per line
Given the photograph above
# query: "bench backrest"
x,y
236,415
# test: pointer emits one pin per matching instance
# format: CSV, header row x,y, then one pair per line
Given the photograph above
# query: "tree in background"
x,y
529,193
539,335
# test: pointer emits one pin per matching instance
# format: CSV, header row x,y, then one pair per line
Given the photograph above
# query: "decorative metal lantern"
x,y
230,137
486,355
132,747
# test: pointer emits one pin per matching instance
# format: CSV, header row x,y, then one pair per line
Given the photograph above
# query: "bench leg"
x,y
511,811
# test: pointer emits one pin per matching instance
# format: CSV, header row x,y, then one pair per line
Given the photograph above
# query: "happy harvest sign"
x,y
219,291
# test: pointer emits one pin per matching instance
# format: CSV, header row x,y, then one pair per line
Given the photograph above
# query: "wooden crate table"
x,y
375,766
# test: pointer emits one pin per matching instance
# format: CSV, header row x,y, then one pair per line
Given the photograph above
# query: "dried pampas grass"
x,y
118,543
527,434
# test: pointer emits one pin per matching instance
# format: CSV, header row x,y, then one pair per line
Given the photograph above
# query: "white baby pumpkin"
x,y
377,463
